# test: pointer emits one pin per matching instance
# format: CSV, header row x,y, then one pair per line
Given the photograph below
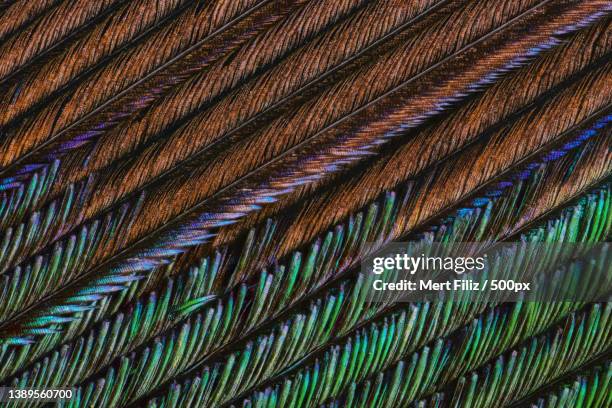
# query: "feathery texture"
x,y
188,191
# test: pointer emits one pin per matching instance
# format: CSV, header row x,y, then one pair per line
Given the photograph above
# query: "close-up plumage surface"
x,y
188,191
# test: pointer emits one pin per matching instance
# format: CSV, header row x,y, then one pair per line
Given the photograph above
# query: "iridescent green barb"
x,y
590,390
507,378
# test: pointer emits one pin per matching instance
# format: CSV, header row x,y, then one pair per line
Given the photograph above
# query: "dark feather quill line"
x,y
102,193
195,236
116,310
322,306
236,312
206,274
462,363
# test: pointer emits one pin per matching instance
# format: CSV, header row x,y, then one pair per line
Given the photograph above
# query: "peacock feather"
x,y
189,192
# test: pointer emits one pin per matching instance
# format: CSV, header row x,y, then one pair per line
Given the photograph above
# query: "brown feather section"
x,y
311,157
125,24
301,68
436,141
133,80
48,30
20,13
468,174
282,134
